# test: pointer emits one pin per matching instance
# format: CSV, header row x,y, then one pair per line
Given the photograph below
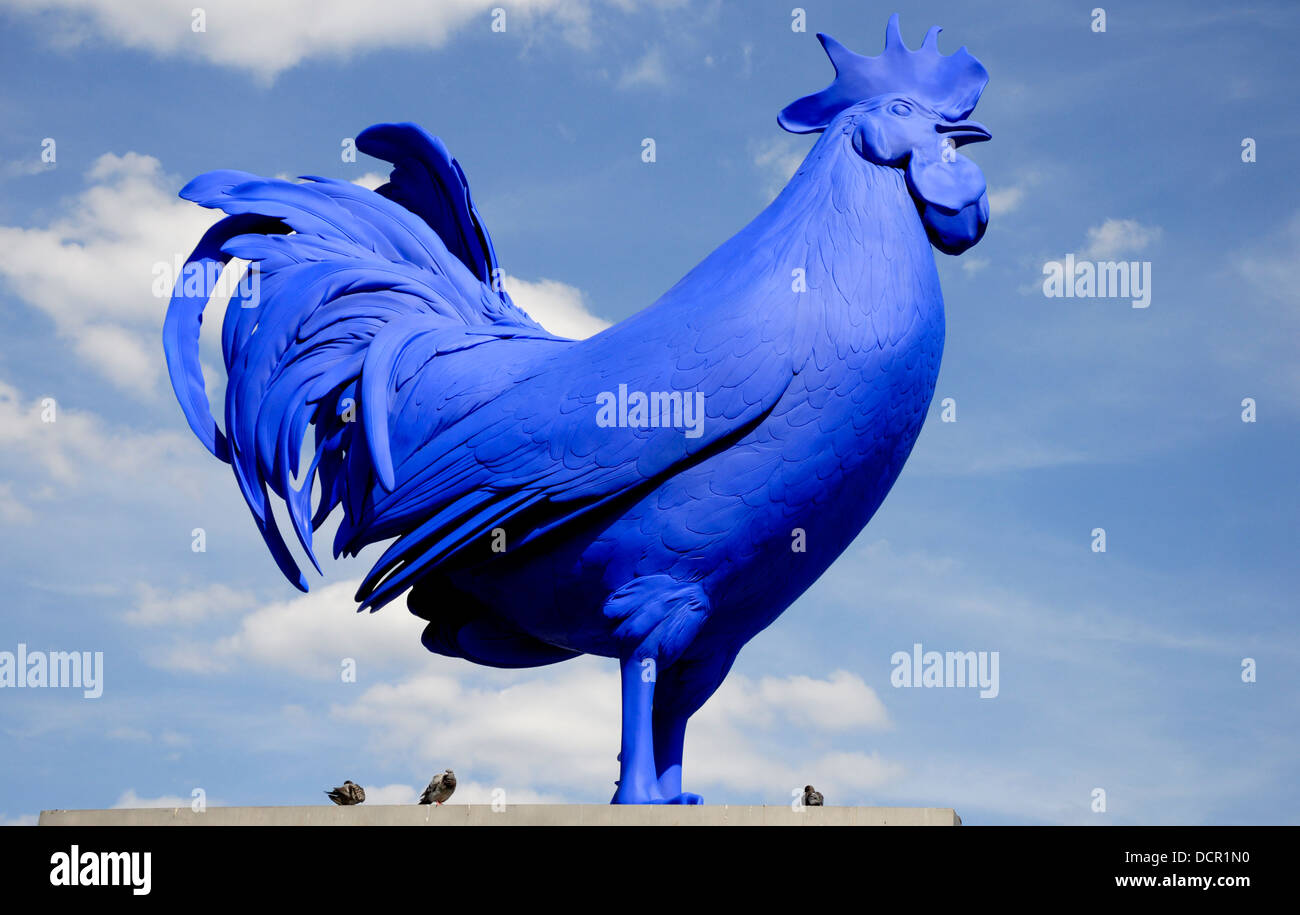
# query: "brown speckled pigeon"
x,y
347,794
441,788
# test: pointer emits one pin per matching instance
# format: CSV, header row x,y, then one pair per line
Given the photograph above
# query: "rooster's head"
x,y
909,109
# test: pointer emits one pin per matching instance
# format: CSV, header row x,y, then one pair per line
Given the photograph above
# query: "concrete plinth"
x,y
513,815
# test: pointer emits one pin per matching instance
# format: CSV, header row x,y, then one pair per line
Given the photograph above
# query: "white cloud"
x,y
1004,200
94,270
129,800
266,39
730,738
22,168
153,607
777,159
956,596
12,509
648,71
22,819
556,732
466,793
1266,264
842,702
1269,264
747,59
480,793
1114,239
541,728
558,307
391,794
121,355
1119,237
546,734
80,449
855,772
309,635
992,444
371,180
131,734
91,269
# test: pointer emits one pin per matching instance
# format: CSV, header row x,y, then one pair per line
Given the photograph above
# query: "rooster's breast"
x,y
756,522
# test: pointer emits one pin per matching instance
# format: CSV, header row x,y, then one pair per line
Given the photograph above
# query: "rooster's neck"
x,y
841,252
840,257
843,239
839,213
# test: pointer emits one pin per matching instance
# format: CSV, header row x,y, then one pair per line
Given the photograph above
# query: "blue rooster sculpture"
x,y
658,493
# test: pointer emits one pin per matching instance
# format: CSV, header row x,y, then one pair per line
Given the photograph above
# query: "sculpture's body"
x,y
531,531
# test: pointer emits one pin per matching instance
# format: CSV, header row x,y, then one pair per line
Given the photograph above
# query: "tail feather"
x,y
185,318
428,182
344,280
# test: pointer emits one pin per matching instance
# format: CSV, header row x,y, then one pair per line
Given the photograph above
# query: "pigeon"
x,y
443,784
347,794
811,796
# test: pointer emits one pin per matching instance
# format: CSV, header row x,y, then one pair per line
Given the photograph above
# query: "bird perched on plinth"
x,y
812,797
440,788
347,794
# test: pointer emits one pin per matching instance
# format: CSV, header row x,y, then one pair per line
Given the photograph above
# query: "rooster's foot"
x,y
638,795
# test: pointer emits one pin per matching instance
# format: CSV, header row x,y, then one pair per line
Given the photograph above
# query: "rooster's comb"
x,y
950,85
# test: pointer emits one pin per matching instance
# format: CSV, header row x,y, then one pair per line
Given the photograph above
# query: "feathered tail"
x,y
346,278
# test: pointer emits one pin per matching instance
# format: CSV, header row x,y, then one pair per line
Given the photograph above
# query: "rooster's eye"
x,y
902,109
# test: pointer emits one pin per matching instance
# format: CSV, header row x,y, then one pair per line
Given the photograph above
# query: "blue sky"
x,y
1119,670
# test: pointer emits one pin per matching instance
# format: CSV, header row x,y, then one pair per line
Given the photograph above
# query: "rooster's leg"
x,y
637,783
681,690
654,618
670,734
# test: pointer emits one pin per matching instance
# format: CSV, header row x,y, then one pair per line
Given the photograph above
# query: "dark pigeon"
x,y
440,788
811,797
347,794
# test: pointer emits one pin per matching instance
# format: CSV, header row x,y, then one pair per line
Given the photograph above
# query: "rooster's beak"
x,y
963,132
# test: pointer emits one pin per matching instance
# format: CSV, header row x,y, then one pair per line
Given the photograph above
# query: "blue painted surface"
x,y
529,529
